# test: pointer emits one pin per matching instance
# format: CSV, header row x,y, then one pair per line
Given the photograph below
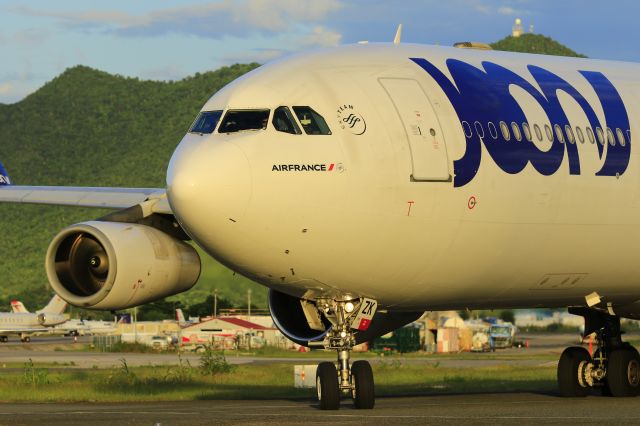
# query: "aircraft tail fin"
x,y
18,308
180,316
4,176
55,306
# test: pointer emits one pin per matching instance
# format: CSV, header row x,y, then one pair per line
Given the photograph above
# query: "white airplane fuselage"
x,y
414,199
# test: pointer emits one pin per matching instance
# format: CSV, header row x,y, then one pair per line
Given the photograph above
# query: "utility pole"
x,y
215,303
135,324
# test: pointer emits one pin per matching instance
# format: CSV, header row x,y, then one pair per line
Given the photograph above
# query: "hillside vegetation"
x,y
90,128
534,43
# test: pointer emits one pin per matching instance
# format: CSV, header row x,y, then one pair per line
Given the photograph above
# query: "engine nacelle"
x,y
50,319
288,314
112,265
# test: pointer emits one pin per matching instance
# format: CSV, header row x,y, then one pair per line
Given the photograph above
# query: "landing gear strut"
x,y
355,379
614,367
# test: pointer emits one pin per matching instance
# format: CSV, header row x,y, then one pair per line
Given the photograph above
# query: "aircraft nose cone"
x,y
207,182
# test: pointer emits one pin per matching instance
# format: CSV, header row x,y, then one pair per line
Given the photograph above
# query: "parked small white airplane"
x,y
73,326
23,323
367,183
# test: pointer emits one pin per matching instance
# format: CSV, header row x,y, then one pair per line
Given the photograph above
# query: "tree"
x,y
205,308
507,316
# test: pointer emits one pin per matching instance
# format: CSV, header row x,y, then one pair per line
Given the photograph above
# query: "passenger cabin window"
x,y
600,134
610,138
206,122
516,131
580,134
620,135
570,136
559,134
283,121
536,128
479,129
312,122
505,131
493,130
244,119
527,132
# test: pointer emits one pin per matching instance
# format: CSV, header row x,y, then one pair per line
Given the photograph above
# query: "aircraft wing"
x,y
105,197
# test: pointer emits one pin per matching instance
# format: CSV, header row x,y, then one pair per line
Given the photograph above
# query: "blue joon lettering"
x,y
483,96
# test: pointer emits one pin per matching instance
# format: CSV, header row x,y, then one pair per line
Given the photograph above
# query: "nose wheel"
x,y
363,387
327,386
343,378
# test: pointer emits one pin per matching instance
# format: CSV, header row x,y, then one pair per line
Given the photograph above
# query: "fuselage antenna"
x,y
396,39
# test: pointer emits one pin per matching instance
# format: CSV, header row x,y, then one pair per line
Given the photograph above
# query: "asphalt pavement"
x,y
493,408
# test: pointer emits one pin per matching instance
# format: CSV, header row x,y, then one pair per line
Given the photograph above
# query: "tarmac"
x,y
500,408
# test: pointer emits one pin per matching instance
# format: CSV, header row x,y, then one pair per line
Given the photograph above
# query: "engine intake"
x,y
111,265
288,316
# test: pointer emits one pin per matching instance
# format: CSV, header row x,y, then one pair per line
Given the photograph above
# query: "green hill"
x,y
534,43
87,127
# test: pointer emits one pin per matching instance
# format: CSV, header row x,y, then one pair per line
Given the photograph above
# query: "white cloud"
x,y
11,92
255,55
213,19
6,88
318,36
29,36
508,11
321,36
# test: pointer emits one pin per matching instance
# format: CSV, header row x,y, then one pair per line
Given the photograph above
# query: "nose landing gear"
x,y
356,379
614,367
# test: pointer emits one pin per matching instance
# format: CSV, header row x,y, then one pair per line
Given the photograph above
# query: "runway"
x,y
521,408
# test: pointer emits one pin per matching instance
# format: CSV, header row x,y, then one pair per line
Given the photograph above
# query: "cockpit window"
x,y
206,122
245,119
312,122
283,121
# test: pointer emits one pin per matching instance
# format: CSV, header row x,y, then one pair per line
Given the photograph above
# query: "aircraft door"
x,y
426,142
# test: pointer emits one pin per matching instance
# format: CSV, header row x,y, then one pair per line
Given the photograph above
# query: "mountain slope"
x,y
534,43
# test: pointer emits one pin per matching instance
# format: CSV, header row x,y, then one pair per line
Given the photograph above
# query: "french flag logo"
x,y
4,176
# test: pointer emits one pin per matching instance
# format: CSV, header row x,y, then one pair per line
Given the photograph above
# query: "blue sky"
x,y
169,39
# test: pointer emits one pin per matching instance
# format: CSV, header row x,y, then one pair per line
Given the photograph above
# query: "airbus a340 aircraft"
x,y
368,183
23,323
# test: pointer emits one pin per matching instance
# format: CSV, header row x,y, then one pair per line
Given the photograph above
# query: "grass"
x,y
34,383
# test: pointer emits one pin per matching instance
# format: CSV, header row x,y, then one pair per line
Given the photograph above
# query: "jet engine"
x,y
112,265
300,321
50,319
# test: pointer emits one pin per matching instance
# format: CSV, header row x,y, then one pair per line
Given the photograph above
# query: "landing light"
x,y
349,307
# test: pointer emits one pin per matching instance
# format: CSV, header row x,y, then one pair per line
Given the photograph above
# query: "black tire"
x,y
623,372
26,339
327,386
569,368
364,396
